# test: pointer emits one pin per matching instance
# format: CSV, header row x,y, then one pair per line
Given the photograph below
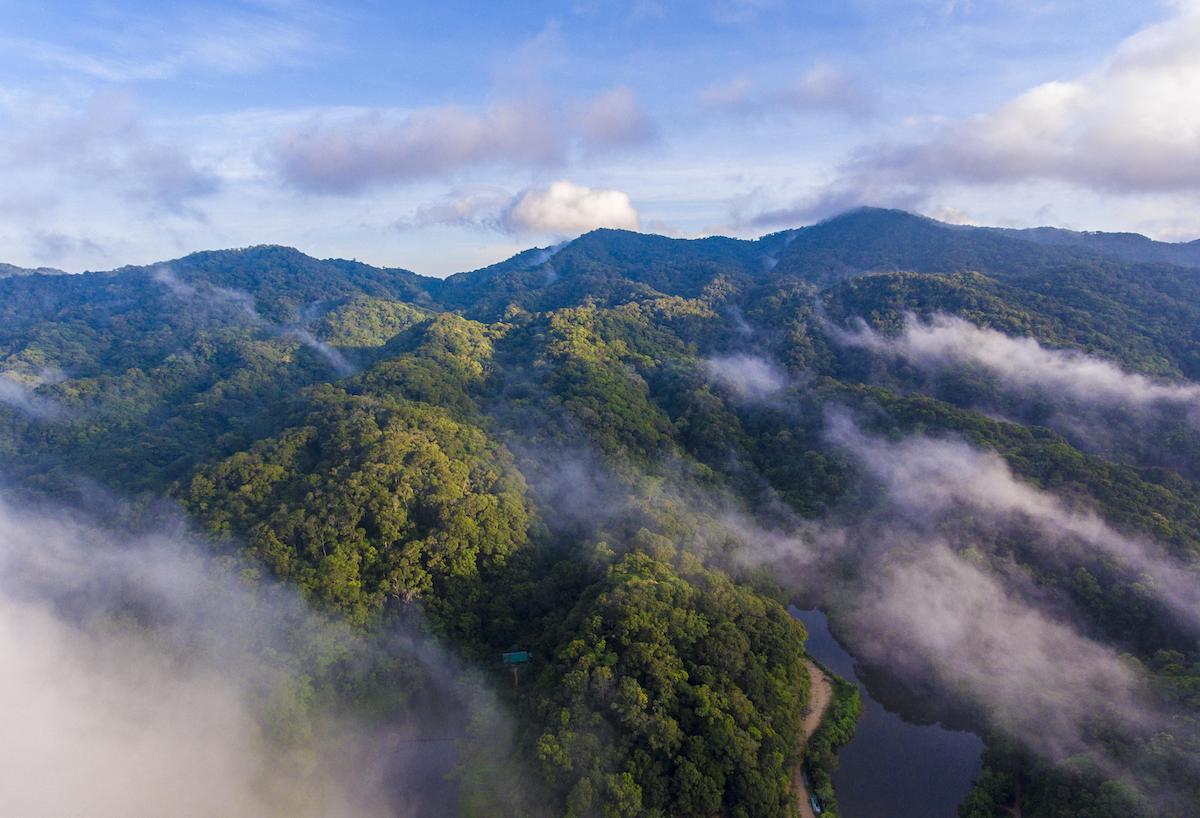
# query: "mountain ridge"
x,y
1126,246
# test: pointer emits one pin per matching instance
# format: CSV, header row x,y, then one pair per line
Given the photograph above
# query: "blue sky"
x,y
444,136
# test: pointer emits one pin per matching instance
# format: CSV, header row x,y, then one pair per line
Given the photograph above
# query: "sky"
x,y
446,136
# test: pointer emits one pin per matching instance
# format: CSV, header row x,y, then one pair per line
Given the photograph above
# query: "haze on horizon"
x,y
443,139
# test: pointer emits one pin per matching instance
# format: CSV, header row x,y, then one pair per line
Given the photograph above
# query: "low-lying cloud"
x,y
934,613
921,594
928,478
243,303
751,378
21,396
147,679
947,341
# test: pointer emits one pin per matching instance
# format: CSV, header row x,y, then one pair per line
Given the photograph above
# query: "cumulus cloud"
x,y
1128,126
346,154
565,207
749,377
562,208
823,88
948,341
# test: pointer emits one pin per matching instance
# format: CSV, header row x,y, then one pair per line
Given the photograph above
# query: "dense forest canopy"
x,y
627,453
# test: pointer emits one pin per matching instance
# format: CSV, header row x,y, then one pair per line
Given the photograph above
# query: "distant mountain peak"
x,y
12,271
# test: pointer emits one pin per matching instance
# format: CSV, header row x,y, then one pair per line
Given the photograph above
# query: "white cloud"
x,y
565,207
20,395
562,208
947,341
1129,126
347,156
165,717
927,478
751,378
933,611
472,207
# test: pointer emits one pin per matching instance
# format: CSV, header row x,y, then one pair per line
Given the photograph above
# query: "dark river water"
x,y
893,768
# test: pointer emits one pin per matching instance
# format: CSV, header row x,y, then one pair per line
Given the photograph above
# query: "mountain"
x,y
1126,246
8,271
975,449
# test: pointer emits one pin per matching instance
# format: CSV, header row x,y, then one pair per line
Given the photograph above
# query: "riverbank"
x,y
820,697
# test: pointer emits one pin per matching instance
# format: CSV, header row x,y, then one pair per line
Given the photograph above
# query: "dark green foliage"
x,y
367,499
673,696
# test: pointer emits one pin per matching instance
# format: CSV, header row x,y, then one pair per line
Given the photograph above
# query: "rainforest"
x,y
529,540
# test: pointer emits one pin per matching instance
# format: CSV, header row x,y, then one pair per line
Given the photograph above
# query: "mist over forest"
x,y
275,530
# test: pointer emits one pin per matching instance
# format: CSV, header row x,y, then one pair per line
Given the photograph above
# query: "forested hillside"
x,y
977,450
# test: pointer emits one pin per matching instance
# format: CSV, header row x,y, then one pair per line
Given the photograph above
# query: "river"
x,y
893,768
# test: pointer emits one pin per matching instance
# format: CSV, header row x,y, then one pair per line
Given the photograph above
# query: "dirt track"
x,y
820,696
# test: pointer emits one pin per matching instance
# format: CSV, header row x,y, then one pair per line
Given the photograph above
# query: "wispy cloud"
x,y
1022,363
931,478
20,395
822,88
920,590
243,303
123,46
